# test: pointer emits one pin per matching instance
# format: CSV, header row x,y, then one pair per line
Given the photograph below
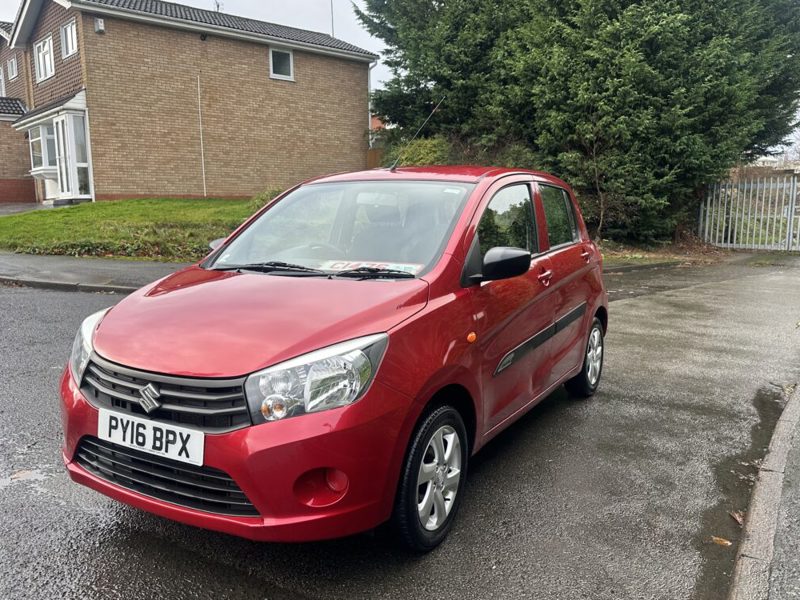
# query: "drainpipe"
x,y
202,145
372,65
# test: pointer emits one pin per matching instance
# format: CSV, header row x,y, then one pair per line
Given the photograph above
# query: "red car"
x,y
336,361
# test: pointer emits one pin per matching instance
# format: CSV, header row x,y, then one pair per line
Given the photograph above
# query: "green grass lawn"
x,y
158,229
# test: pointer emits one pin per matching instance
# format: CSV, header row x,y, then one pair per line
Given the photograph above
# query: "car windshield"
x,y
338,227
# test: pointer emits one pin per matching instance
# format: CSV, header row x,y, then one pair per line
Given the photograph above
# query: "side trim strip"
x,y
527,346
540,338
570,317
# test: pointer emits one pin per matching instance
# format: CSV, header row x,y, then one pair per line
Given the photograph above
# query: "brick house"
x,y
143,98
16,184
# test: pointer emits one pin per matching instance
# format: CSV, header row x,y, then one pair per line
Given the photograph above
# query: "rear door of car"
x,y
513,316
572,261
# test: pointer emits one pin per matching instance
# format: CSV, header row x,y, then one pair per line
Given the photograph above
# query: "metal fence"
x,y
759,213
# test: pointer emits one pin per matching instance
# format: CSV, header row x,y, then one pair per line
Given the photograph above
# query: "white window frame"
x,y
13,71
272,73
46,68
2,83
69,39
40,132
72,158
46,158
34,134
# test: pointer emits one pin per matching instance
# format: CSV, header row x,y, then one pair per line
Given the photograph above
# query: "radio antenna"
x,y
408,143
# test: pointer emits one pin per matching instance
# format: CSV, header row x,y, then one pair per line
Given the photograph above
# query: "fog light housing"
x,y
321,487
337,480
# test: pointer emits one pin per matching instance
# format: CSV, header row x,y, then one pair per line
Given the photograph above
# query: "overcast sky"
x,y
306,14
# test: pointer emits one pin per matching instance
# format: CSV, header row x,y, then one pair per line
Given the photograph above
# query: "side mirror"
x,y
216,243
504,263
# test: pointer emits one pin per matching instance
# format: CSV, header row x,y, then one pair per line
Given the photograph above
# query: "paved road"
x,y
70,270
611,498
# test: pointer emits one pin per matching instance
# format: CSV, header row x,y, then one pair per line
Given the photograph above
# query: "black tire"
x,y
405,519
581,385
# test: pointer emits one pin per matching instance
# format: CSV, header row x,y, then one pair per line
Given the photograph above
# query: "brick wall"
x,y
68,77
15,183
258,132
15,88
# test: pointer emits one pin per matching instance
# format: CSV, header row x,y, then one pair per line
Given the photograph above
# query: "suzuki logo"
x,y
150,395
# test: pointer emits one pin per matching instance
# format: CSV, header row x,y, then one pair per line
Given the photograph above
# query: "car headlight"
x,y
328,378
82,346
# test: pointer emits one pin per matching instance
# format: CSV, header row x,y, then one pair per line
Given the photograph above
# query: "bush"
x,y
435,150
515,156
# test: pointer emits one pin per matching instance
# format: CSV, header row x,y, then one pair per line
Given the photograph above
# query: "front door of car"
x,y
513,316
571,284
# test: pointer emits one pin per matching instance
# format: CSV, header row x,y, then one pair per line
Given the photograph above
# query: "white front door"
x,y
62,158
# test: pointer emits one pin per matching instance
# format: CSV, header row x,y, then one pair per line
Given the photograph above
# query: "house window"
x,y
43,146
35,135
2,84
281,64
43,55
69,39
12,68
49,136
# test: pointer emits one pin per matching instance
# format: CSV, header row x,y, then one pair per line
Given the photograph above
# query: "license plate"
x,y
169,441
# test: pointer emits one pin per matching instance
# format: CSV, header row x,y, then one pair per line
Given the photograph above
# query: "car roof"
x,y
462,173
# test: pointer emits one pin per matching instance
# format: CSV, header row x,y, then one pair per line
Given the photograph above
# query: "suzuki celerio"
x,y
336,361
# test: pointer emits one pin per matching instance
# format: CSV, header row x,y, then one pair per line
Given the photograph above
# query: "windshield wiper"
x,y
270,267
374,273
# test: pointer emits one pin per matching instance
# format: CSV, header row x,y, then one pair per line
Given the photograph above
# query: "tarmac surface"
x,y
69,272
615,497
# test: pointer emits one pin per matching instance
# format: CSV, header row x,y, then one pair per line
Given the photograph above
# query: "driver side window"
x,y
509,221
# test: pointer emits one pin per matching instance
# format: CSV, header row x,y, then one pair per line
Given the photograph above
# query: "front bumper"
x,y
266,461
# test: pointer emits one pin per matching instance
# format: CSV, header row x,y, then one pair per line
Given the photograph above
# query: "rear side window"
x,y
562,227
509,221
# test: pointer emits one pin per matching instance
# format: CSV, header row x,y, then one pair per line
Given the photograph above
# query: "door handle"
x,y
586,255
545,277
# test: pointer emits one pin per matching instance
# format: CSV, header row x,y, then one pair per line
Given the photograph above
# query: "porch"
x,y
60,152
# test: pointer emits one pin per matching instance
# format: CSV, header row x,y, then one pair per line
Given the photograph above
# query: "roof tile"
x,y
182,12
11,106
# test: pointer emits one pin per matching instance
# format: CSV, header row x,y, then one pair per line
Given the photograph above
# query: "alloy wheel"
x,y
594,356
438,477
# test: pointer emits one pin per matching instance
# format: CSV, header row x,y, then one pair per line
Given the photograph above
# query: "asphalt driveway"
x,y
616,497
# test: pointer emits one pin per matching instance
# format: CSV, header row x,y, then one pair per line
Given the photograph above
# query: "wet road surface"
x,y
614,497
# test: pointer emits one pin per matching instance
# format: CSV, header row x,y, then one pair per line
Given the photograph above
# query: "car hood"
x,y
202,323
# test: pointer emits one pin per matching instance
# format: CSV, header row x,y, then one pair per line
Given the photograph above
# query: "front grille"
x,y
201,488
211,405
